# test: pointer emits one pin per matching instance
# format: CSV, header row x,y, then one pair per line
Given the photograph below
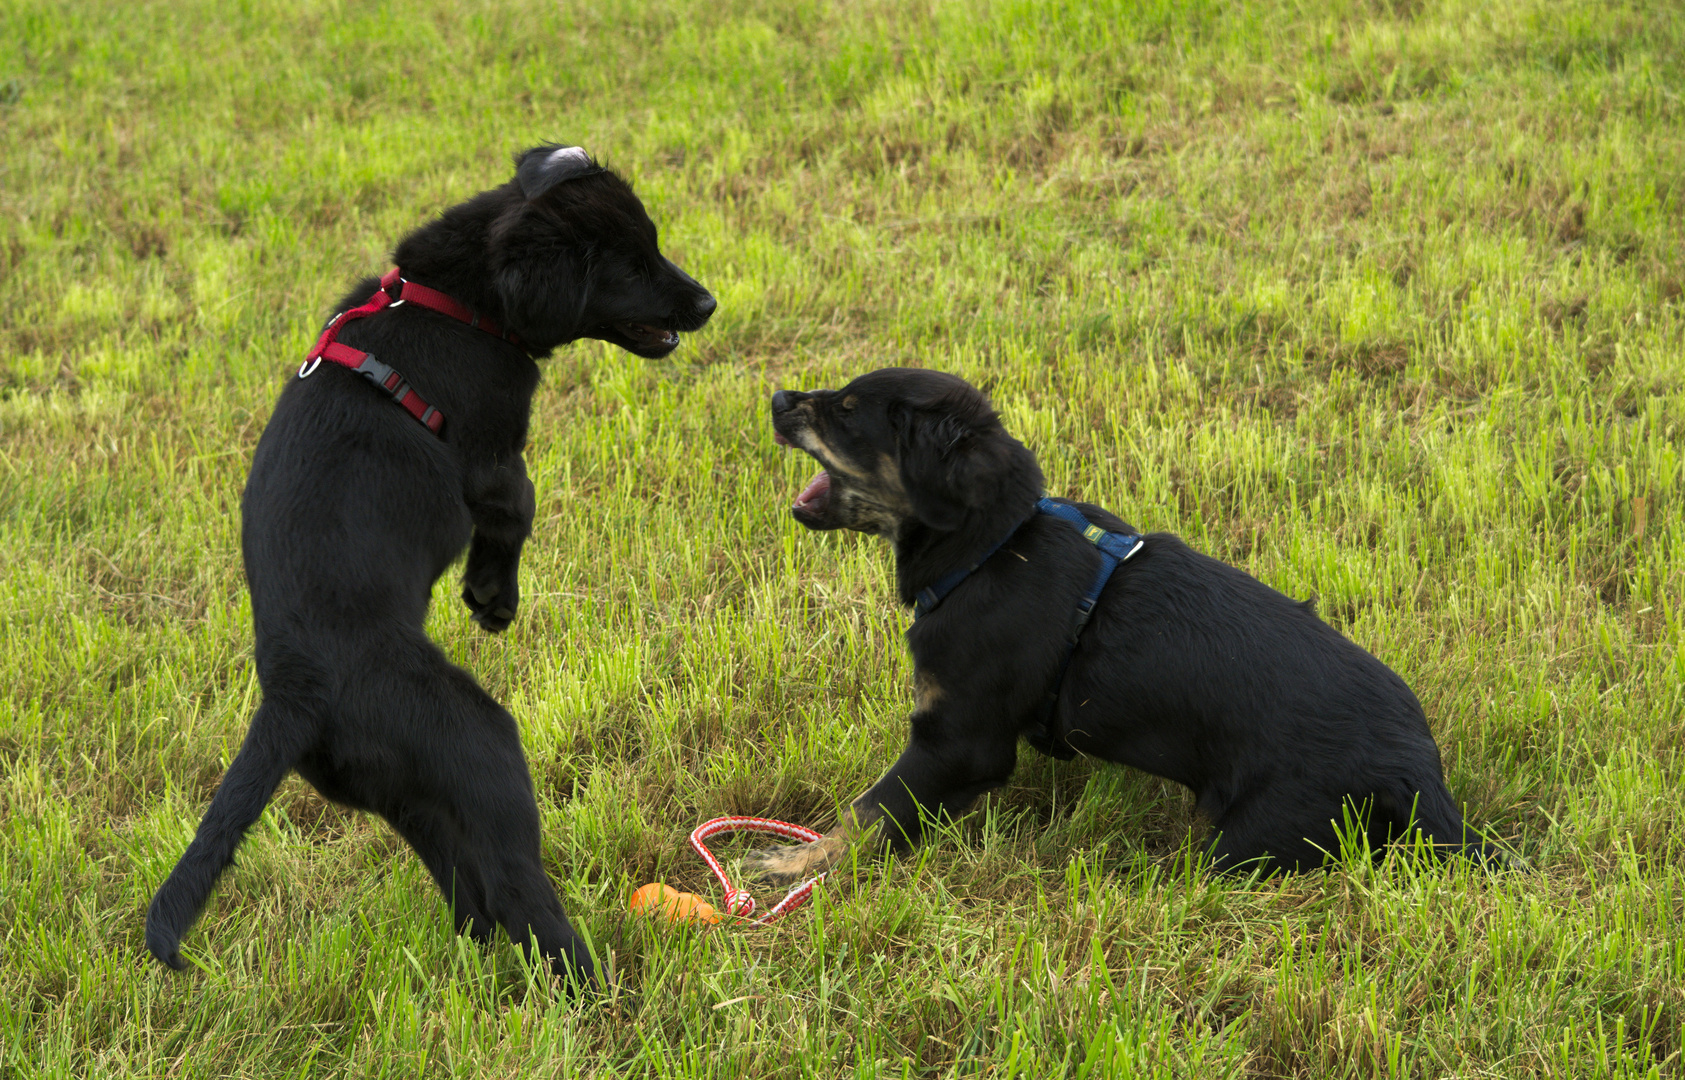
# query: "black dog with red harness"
x,y
353,509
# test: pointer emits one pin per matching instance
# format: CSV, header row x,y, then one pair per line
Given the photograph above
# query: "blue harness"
x,y
1115,548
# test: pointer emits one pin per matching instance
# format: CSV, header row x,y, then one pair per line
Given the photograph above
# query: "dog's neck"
x,y
450,254
923,555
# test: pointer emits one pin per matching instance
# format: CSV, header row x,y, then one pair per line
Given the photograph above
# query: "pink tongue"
x,y
817,490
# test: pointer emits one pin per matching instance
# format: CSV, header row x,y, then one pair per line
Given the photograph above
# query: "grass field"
x,y
1380,301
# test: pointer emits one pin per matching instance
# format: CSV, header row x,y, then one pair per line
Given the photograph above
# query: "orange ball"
x,y
667,902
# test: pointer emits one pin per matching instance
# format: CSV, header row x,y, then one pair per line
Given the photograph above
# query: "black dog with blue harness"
x,y
1195,671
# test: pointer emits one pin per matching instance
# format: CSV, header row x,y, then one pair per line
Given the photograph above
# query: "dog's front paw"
x,y
492,594
791,863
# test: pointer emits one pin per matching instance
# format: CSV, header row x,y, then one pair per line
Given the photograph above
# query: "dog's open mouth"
x,y
648,337
816,497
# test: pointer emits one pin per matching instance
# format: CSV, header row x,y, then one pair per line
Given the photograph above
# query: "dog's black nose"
x,y
705,306
781,401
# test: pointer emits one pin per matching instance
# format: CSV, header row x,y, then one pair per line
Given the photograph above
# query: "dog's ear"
x,y
543,167
930,460
948,460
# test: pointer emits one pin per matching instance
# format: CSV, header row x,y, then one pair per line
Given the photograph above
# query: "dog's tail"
x,y
1426,805
244,792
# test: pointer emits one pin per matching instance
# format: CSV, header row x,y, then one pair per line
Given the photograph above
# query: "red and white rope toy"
x,y
738,902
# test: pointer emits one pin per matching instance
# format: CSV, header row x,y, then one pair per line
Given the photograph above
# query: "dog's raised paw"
x,y
494,621
491,607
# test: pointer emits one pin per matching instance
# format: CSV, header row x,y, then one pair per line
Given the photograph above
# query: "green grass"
x,y
1381,302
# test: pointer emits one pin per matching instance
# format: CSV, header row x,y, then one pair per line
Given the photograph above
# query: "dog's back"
x,y
1194,670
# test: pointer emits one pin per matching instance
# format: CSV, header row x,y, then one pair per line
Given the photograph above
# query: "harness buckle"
x,y
308,368
382,375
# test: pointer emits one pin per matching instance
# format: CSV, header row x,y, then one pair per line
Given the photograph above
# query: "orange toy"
x,y
675,906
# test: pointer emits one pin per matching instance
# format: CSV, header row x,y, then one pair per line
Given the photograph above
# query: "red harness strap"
x,y
394,290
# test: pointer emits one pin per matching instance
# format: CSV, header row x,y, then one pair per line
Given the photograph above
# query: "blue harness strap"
x,y
1114,548
927,599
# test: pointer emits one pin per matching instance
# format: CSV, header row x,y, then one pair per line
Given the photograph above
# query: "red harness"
x,y
394,290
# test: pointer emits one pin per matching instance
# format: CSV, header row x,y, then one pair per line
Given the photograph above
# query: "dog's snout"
x,y
691,303
785,400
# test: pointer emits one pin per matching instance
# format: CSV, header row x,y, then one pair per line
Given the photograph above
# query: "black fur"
x,y
353,510
1189,669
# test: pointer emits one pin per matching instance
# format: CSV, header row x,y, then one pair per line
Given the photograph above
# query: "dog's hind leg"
x,y
272,745
466,804
1427,806
503,882
520,897
1275,829
1236,849
518,892
1296,830
440,847
430,831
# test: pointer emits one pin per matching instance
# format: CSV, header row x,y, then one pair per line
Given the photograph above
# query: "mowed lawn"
x,y
1380,301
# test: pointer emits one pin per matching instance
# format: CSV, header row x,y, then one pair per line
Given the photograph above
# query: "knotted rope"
x,y
738,902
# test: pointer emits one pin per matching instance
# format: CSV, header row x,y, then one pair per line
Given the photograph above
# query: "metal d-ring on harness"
x,y
1115,548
